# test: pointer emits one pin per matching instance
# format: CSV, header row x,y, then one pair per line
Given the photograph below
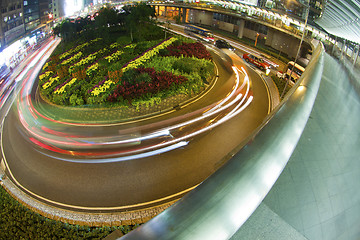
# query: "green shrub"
x,y
280,84
185,65
17,222
129,76
76,100
144,77
73,99
206,69
60,99
162,64
123,40
145,45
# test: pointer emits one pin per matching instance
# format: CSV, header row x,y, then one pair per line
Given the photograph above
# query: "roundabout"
x,y
135,166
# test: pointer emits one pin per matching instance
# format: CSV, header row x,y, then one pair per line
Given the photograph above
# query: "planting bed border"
x,y
118,114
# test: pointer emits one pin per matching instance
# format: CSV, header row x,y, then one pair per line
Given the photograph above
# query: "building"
x,y
11,21
45,11
31,14
58,9
88,2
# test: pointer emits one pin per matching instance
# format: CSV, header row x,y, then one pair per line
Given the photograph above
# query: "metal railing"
x,y
220,205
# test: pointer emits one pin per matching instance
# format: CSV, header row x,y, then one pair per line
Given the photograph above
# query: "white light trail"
x,y
229,96
237,103
130,157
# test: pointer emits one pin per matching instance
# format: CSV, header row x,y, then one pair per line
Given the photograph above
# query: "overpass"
x,y
310,143
315,195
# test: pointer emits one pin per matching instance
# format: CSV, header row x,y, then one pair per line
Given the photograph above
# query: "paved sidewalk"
x,y
318,193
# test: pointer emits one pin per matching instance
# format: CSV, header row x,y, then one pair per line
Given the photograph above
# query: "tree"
x,y
107,17
67,30
138,17
56,30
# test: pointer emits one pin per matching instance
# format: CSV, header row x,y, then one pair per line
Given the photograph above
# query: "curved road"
x,y
137,183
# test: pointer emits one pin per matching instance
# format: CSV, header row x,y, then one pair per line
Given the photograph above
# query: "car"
x,y
223,44
256,60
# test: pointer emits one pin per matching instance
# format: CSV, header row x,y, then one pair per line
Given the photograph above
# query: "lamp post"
x,y
281,46
257,35
298,51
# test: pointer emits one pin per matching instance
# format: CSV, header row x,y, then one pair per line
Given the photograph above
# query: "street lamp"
x,y
281,46
298,51
257,35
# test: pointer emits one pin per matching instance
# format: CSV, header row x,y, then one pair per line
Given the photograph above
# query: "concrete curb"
x,y
81,218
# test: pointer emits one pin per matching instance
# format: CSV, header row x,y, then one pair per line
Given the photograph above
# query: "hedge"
x,y
18,222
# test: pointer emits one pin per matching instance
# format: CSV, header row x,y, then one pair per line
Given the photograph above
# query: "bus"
x,y
200,33
297,71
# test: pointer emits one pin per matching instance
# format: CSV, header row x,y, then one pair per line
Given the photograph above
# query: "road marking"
x,y
268,93
265,83
173,196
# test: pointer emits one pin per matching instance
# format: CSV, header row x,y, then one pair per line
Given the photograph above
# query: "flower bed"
x,y
62,87
114,57
123,74
50,82
197,50
158,81
134,64
147,55
102,88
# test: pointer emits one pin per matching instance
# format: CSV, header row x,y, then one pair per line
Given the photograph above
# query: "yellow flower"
x,y
50,82
45,66
72,59
102,88
46,75
147,55
62,89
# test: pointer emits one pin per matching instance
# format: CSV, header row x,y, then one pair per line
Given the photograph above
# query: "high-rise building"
x,y
73,6
11,21
31,14
45,11
88,2
58,8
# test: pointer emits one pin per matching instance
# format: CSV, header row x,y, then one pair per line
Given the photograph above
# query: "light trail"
x,y
154,142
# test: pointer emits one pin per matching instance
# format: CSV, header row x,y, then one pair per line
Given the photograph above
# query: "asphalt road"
x,y
137,183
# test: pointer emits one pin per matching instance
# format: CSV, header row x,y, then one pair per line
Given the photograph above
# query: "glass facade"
x,y
31,14
11,21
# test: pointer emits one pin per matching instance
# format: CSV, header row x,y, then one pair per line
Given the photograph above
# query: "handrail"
x,y
219,206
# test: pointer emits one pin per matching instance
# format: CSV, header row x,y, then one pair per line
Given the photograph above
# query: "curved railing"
x,y
219,206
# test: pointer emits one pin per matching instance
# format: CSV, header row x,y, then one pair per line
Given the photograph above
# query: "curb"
x,y
140,116
81,218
